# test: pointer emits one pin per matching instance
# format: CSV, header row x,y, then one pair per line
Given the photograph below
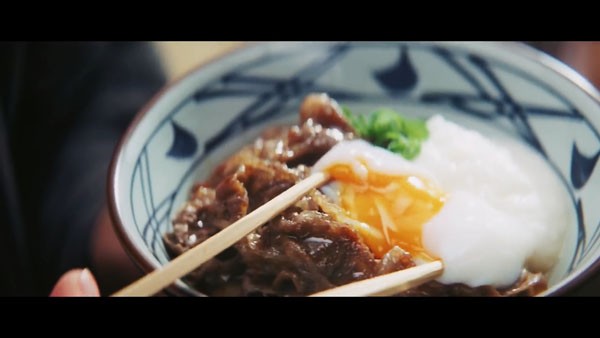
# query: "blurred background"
x,y
182,56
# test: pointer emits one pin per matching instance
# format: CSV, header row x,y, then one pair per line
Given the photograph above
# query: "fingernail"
x,y
87,284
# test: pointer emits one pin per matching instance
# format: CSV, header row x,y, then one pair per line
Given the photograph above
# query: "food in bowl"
x,y
491,210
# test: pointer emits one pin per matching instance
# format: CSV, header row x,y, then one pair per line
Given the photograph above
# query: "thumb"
x,y
76,283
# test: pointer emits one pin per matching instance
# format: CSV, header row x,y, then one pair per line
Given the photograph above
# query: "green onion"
x,y
388,129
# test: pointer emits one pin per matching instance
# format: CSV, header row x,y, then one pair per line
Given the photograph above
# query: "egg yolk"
x,y
392,208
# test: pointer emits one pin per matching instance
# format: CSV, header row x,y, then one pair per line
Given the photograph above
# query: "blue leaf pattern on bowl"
x,y
184,143
581,166
399,77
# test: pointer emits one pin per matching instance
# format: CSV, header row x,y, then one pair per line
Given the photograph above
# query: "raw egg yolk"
x,y
392,208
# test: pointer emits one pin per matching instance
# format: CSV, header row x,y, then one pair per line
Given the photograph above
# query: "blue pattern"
x,y
486,97
184,144
399,77
581,167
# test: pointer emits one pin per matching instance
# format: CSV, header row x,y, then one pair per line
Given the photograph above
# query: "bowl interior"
x,y
504,90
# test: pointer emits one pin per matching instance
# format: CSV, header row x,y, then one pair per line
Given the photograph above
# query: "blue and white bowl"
x,y
505,88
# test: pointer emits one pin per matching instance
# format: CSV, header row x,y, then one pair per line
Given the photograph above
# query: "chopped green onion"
x,y
388,129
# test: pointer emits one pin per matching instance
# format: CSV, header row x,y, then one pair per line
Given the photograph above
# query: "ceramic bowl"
x,y
506,88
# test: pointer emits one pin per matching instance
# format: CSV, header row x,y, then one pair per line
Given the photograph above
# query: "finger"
x,y
76,283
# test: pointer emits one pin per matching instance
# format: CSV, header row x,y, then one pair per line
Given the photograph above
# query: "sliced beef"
x,y
325,111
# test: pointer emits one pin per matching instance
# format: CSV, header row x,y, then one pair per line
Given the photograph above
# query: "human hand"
x,y
76,283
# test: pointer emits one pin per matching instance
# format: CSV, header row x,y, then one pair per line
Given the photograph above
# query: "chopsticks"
x,y
191,259
188,261
388,284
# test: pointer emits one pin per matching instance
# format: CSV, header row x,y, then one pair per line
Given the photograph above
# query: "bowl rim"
x,y
111,187
521,49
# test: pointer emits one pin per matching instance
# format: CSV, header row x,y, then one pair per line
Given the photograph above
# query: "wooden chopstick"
x,y
388,284
191,259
